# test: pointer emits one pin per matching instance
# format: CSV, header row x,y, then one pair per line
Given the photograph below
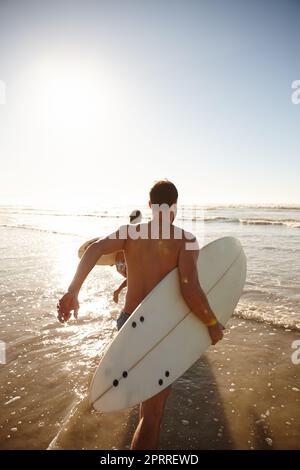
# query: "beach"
x,y
244,393
245,401
112,108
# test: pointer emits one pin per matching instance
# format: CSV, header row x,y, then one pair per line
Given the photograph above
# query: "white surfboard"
x,y
104,260
163,338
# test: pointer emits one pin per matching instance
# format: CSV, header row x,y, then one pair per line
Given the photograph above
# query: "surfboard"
x,y
163,338
108,260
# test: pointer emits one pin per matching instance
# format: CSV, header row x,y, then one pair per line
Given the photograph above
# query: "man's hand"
x,y
216,332
65,306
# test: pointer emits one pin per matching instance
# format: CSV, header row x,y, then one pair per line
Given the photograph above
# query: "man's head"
x,y
135,217
164,193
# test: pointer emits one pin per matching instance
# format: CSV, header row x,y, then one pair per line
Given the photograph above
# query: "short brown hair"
x,y
163,192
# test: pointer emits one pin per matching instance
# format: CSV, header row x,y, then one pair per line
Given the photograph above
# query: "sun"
x,y
72,94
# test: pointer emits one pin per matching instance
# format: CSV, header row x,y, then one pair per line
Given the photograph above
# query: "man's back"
x,y
148,261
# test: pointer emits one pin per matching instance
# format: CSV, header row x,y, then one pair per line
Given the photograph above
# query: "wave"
x,y
214,219
291,223
67,214
279,322
270,308
123,211
273,207
37,229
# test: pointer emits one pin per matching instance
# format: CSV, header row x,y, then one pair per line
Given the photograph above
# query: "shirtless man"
x,y
148,260
134,218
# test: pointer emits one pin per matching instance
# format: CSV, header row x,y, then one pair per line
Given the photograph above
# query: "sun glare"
x,y
71,111
73,93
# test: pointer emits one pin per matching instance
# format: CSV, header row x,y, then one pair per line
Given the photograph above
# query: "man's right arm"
x,y
193,293
69,301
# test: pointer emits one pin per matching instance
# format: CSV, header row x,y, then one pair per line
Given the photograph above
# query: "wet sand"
x,y
243,393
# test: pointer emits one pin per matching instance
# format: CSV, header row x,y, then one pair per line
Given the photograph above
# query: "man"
x,y
160,248
134,218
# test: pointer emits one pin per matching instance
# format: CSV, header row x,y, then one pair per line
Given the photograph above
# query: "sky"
x,y
104,97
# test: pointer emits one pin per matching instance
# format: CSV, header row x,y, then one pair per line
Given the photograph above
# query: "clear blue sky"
x,y
103,97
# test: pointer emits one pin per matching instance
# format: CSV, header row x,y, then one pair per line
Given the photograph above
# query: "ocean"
x,y
48,365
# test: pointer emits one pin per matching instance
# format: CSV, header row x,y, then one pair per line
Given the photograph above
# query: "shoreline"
x,y
244,393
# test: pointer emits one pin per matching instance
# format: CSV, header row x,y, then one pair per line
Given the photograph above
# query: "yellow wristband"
x,y
212,322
